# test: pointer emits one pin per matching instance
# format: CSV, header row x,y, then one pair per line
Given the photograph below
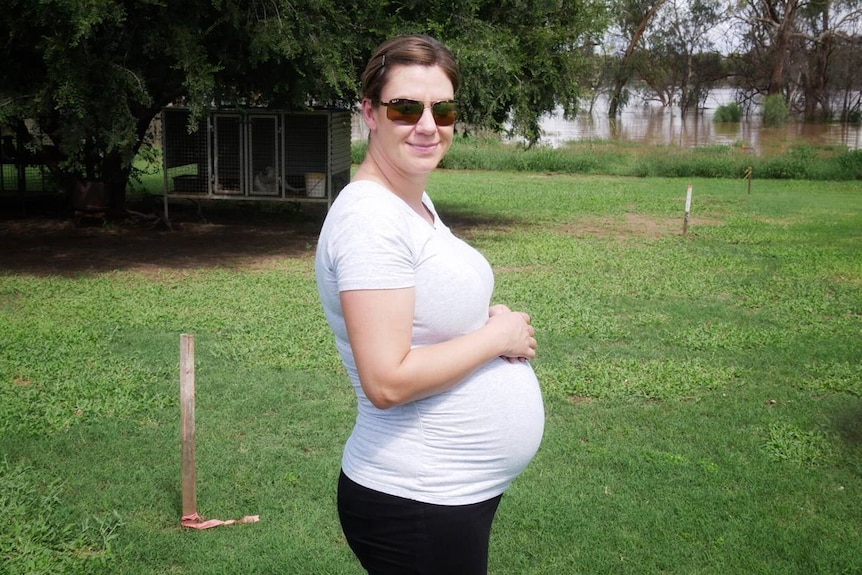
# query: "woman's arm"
x,y
380,325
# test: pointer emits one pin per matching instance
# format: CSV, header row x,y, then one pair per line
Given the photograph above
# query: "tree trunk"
x,y
114,181
117,171
624,74
781,41
816,87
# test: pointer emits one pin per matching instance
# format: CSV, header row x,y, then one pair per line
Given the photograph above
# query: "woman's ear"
x,y
369,114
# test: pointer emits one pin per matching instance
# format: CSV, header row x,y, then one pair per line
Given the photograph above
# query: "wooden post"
x,y
187,403
749,172
687,210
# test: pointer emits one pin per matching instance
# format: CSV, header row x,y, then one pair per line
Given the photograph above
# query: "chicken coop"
x,y
22,170
263,155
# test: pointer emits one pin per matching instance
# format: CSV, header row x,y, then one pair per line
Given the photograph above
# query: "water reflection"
x,y
653,124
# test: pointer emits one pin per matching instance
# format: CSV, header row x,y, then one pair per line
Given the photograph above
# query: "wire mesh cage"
x,y
257,154
227,136
184,152
262,148
21,170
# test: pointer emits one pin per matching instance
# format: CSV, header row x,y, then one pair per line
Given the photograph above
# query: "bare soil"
x,y
42,240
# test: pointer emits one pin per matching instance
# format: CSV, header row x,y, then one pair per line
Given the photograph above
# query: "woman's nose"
x,y
426,121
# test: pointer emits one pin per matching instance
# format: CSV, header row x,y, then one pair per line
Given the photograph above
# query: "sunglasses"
x,y
410,112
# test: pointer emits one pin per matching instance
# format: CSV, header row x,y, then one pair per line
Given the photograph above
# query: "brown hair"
x,y
413,50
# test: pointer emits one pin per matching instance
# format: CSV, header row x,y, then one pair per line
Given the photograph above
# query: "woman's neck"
x,y
409,189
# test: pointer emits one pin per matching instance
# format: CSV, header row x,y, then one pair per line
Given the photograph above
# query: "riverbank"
x,y
614,158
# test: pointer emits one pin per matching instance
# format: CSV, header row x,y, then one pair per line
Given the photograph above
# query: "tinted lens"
x,y
445,113
407,111
410,111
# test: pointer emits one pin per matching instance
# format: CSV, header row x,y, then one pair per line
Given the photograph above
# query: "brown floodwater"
x,y
653,124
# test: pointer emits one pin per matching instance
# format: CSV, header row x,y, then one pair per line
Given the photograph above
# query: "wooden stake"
x,y
687,210
187,403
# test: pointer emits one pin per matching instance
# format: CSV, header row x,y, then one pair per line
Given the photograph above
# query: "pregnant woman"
x,y
449,407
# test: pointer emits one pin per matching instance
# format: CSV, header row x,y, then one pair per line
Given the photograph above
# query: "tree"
x,y
632,19
522,59
844,77
825,27
87,78
790,46
83,80
681,64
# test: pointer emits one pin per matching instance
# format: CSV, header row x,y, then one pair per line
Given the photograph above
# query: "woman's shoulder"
x,y
367,199
365,209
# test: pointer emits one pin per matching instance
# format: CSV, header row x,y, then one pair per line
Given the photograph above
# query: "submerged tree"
x,y
790,46
846,81
825,28
681,63
632,17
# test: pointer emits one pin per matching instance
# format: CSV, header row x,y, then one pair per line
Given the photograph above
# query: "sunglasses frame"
x,y
400,116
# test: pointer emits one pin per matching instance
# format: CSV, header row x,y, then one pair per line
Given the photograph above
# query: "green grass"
x,y
703,391
608,157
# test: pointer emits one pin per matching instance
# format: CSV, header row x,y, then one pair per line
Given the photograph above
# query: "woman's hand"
x,y
497,309
515,330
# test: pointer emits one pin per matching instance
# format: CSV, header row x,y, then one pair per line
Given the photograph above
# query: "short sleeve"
x,y
369,245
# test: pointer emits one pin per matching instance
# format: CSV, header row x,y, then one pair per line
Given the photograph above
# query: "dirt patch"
x,y
44,239
630,226
51,244
48,242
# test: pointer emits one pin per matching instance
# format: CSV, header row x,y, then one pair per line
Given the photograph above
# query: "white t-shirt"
x,y
461,446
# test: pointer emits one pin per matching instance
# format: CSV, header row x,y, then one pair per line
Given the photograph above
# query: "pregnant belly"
x,y
489,427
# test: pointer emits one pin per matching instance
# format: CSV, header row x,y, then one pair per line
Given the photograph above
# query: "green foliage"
x,y
731,112
775,111
487,154
851,163
497,46
358,151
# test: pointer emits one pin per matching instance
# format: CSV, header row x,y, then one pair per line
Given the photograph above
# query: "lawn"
x,y
703,391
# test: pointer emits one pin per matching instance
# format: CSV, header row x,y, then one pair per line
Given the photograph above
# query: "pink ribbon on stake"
x,y
190,516
195,521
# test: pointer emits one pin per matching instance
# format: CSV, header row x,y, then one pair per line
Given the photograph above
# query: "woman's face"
x,y
410,149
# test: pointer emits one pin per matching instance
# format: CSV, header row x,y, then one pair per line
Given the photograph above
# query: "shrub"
x,y
358,151
775,111
851,164
728,113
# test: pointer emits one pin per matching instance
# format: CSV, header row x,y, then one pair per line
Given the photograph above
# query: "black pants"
x,y
394,535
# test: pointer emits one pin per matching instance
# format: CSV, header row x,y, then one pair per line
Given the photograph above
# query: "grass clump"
x,y
789,443
38,538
